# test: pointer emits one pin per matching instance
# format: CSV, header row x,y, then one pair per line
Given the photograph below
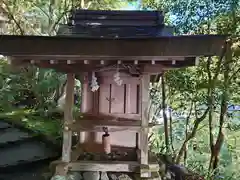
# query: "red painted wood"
x,y
132,98
104,97
117,98
125,102
87,96
121,100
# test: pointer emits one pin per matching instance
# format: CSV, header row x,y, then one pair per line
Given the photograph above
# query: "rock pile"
x,y
168,170
93,175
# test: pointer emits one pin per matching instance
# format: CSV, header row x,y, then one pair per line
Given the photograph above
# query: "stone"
x,y
59,177
74,176
4,125
104,176
124,177
119,176
155,176
13,135
46,175
168,175
91,175
27,151
61,170
113,177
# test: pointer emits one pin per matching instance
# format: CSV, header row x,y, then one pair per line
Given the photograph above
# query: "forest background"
x,y
198,106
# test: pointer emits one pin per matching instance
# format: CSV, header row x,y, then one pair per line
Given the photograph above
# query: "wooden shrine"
x,y
115,53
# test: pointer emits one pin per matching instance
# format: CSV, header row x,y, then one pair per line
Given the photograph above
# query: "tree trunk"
x,y
190,135
215,149
165,119
171,130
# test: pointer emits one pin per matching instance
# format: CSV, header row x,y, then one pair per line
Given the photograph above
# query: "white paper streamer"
x,y
94,83
117,78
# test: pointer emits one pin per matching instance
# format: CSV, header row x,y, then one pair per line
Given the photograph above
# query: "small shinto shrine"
x,y
116,54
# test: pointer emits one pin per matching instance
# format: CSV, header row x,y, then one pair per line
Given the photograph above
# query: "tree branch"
x,y
9,13
234,74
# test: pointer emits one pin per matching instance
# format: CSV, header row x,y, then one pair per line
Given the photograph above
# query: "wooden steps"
x,y
22,155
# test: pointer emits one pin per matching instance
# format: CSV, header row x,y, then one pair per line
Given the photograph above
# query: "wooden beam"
x,y
153,69
68,118
97,59
65,46
97,125
112,166
77,67
75,153
144,123
107,166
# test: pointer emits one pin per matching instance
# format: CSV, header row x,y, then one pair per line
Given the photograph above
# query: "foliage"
x,y
195,97
207,88
30,119
35,17
33,88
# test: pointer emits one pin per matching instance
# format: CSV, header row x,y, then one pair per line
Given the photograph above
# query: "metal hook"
x,y
105,129
110,99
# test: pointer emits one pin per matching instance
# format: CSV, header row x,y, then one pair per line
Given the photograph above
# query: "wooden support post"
x,y
68,118
86,103
144,123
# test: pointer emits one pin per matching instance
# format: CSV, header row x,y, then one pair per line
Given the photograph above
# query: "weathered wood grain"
x,y
68,118
144,123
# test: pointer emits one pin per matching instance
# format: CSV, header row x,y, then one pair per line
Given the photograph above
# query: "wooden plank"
x,y
50,47
150,167
129,30
86,102
153,69
68,118
80,17
133,97
144,68
126,79
104,98
107,166
113,124
74,156
111,128
114,118
144,123
116,13
121,23
76,153
118,99
96,102
87,96
112,166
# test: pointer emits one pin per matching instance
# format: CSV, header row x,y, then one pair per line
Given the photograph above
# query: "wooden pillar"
x,y
144,123
86,95
68,118
86,103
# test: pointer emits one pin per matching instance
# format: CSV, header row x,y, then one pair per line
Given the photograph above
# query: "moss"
x,y
34,121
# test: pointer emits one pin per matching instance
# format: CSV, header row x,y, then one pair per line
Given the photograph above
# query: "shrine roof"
x,y
80,48
23,49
